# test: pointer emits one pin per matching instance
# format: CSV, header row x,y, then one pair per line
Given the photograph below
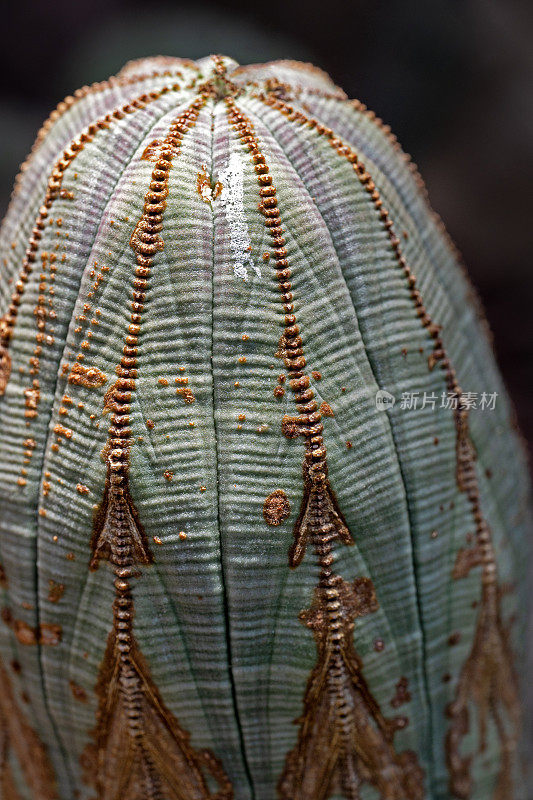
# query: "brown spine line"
x,y
343,739
71,100
139,748
7,322
487,678
419,181
288,93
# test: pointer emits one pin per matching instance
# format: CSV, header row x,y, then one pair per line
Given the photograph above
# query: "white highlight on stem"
x,y
232,197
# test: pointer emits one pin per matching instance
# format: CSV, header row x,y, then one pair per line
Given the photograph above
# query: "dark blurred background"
x,y
453,79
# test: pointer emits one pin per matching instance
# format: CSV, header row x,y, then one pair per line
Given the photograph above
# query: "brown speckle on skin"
x,y
290,427
316,375
32,396
379,645
78,692
89,377
82,489
25,634
186,393
150,424
60,430
168,475
454,638
55,591
7,616
50,635
326,410
276,508
402,695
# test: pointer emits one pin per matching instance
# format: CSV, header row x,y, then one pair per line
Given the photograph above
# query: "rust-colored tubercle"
x,y
487,678
341,725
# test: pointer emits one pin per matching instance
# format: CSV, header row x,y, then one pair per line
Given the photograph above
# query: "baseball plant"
x,y
264,510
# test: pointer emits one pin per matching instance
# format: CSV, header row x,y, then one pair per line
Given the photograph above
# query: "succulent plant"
x,y
264,511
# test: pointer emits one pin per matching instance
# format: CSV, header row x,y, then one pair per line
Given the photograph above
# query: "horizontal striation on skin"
x,y
57,191
230,645
400,188
73,115
254,463
255,459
